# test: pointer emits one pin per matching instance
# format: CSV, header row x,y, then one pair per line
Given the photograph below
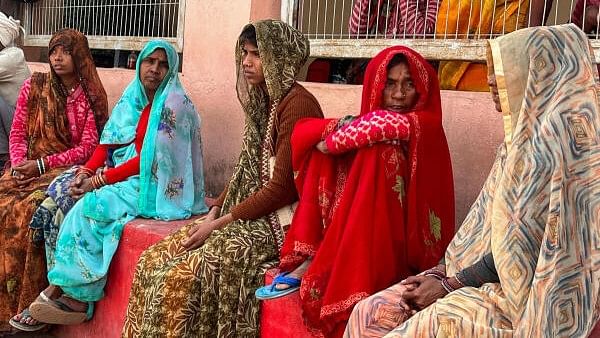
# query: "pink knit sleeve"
x,y
18,130
377,126
83,149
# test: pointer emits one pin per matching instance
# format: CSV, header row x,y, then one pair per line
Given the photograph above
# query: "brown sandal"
x,y
55,311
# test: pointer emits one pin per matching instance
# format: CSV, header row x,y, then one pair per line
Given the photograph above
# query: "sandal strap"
x,y
283,279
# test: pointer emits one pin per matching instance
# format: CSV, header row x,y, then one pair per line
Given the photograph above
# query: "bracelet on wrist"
x,y
97,181
41,166
87,172
435,272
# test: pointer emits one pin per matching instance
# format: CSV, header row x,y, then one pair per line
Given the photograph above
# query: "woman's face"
x,y
61,61
400,94
252,65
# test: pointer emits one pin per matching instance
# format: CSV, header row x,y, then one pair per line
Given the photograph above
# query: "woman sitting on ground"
x,y
524,262
153,140
56,124
376,198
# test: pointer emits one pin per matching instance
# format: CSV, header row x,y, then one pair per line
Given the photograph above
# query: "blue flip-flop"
x,y
270,292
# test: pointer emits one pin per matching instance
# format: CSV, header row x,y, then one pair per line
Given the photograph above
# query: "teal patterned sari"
x,y
170,184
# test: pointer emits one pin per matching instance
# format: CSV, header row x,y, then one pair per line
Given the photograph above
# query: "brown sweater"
x,y
280,190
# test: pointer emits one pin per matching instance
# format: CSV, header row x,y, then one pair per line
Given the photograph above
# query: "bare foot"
x,y
73,304
25,319
53,291
297,273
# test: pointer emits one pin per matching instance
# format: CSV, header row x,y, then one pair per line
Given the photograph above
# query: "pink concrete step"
x,y
282,317
109,316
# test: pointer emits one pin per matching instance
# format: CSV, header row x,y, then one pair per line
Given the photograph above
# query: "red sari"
x,y
375,215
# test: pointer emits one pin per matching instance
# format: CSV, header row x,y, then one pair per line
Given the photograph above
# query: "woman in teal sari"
x,y
154,129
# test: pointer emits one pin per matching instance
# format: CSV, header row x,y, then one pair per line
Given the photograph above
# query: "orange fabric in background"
x,y
467,19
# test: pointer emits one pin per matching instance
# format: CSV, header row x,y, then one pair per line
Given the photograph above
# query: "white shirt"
x,y
13,72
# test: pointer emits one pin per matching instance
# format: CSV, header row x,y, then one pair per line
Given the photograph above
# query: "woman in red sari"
x,y
376,194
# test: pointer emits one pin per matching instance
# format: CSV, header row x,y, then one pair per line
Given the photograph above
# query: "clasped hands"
x,y
82,184
420,292
25,173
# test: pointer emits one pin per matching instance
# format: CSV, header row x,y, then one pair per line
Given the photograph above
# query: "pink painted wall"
x,y
472,127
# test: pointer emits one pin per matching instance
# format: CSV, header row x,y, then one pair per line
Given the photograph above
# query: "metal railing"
x,y
438,29
108,24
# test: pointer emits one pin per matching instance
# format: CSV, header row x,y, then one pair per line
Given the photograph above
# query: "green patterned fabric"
x,y
209,292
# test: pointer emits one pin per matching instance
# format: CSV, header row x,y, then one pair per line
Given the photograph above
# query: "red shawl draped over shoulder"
x,y
371,216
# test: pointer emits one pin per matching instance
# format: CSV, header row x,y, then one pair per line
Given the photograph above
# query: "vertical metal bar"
x,y
398,4
519,16
161,27
544,18
480,15
42,17
360,10
324,19
493,17
145,13
426,17
415,21
458,20
387,21
130,16
504,19
309,17
437,11
301,17
97,10
470,16
342,22
181,23
447,15
405,19
584,6
367,34
529,16
333,19
377,16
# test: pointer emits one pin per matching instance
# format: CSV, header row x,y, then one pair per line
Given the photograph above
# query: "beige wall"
x,y
473,130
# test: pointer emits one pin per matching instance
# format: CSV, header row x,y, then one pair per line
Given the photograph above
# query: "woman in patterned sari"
x,y
153,139
200,281
524,262
56,124
370,212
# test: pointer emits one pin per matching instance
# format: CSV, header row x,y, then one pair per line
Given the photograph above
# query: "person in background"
x,y
586,15
58,117
13,73
495,17
393,19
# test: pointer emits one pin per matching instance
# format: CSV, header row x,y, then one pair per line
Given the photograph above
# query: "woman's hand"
x,y
27,169
200,232
80,186
322,146
428,290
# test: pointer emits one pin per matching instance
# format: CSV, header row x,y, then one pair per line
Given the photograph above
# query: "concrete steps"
x,y
109,316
